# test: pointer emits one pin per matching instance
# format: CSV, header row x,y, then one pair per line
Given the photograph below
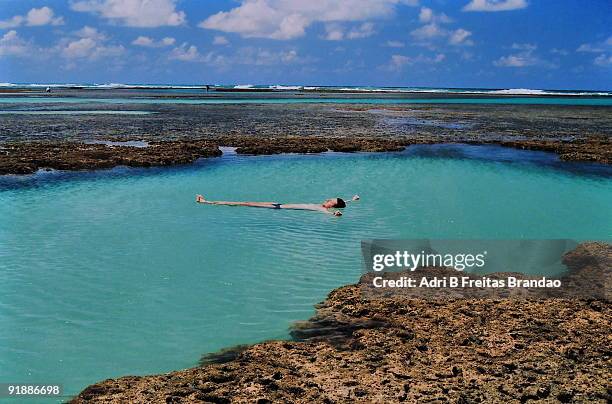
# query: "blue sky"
x,y
440,43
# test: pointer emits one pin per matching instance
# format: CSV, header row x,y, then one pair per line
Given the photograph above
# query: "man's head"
x,y
334,203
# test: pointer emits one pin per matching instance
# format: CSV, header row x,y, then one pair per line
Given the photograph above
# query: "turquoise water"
x,y
98,112
255,100
119,272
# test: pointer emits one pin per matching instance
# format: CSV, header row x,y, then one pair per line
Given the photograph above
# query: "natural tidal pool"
x,y
118,272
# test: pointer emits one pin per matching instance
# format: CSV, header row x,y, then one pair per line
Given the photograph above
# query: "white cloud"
x,y
134,13
529,47
394,44
438,58
34,17
427,15
587,47
515,61
363,31
289,57
525,57
89,44
521,59
265,57
336,32
558,51
186,53
428,31
495,5
603,60
460,37
167,41
432,27
220,40
80,48
244,56
86,44
603,48
43,16
90,32
143,41
12,45
151,43
13,22
288,19
398,62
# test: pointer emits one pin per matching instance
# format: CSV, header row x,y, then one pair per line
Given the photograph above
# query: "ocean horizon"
x,y
315,88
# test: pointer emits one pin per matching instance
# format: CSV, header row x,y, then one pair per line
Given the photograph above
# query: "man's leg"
x,y
269,205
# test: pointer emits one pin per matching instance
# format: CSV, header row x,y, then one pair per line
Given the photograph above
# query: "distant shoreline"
x,y
296,89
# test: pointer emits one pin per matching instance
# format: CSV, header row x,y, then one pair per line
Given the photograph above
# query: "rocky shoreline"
x,y
399,348
28,157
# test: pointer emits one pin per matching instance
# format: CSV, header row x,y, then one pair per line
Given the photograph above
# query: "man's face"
x,y
330,203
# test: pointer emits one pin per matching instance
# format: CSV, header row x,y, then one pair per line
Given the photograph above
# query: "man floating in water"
x,y
327,206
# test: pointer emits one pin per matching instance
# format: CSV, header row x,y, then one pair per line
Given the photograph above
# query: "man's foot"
x,y
200,199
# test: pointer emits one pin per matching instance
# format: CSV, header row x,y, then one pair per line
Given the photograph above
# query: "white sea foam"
x,y
156,86
279,87
394,90
243,86
529,91
520,91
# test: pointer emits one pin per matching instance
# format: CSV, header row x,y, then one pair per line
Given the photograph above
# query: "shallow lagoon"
x,y
118,272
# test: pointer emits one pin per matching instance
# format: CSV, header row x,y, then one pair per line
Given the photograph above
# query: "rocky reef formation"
x,y
28,157
589,149
312,144
397,348
182,132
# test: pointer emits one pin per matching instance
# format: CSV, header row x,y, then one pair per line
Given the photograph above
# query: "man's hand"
x,y
337,213
356,197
